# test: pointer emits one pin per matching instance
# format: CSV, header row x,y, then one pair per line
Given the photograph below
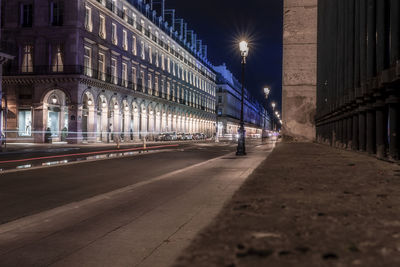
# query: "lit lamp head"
x,y
89,102
103,103
244,48
126,108
266,91
273,104
116,105
54,99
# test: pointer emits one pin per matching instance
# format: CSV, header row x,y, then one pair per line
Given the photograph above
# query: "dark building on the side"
x,y
86,68
358,95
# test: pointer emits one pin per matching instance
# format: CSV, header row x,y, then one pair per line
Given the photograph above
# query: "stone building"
x,y
299,69
229,89
90,70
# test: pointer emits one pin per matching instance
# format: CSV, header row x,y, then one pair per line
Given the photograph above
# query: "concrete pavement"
x,y
144,223
307,205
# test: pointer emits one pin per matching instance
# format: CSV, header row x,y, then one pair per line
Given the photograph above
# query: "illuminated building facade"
x,y
256,118
91,70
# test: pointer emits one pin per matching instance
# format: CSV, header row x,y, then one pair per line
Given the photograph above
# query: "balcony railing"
x,y
104,76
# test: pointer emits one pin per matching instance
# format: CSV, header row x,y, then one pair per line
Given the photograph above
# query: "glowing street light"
x,y
266,92
241,148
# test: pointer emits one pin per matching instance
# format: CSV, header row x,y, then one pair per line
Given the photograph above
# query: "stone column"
x,y
127,126
74,124
299,68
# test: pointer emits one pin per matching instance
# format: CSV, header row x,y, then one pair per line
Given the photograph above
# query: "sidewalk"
x,y
307,205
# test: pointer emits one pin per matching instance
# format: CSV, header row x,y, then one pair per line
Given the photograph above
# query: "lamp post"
x,y
266,92
272,118
241,148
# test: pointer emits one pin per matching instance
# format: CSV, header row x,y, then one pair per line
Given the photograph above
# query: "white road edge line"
x,y
42,216
85,161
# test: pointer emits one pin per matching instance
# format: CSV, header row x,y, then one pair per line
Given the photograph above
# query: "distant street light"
x,y
267,90
241,148
273,104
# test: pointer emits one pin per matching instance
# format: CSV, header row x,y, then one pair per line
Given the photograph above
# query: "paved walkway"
x,y
307,205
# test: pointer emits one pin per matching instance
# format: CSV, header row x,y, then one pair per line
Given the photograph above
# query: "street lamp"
x,y
273,104
266,92
241,148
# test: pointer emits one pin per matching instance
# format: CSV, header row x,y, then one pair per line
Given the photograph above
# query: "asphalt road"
x,y
133,211
31,191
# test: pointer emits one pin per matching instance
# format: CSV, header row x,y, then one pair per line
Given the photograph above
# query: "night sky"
x,y
222,23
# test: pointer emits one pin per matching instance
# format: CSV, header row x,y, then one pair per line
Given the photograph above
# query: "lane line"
x,y
81,162
87,153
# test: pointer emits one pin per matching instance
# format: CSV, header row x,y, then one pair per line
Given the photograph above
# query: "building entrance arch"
x,y
55,116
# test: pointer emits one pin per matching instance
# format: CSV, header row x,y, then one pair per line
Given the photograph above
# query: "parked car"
x,y
180,136
160,137
188,136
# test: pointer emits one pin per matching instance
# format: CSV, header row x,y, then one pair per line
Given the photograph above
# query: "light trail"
x,y
88,153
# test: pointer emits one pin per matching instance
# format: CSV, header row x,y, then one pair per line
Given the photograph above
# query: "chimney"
x,y
199,46
169,16
159,7
179,27
204,51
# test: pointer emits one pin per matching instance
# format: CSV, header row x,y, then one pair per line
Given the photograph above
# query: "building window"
x,y
26,15
162,62
88,61
125,40
58,58
114,35
150,55
57,13
114,71
142,51
134,47
143,82
125,13
102,27
149,82
169,65
219,99
102,67
124,75
88,19
157,60
156,85
219,111
134,78
27,59
24,122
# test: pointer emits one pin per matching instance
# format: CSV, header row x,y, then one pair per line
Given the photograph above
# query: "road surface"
x,y
133,211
